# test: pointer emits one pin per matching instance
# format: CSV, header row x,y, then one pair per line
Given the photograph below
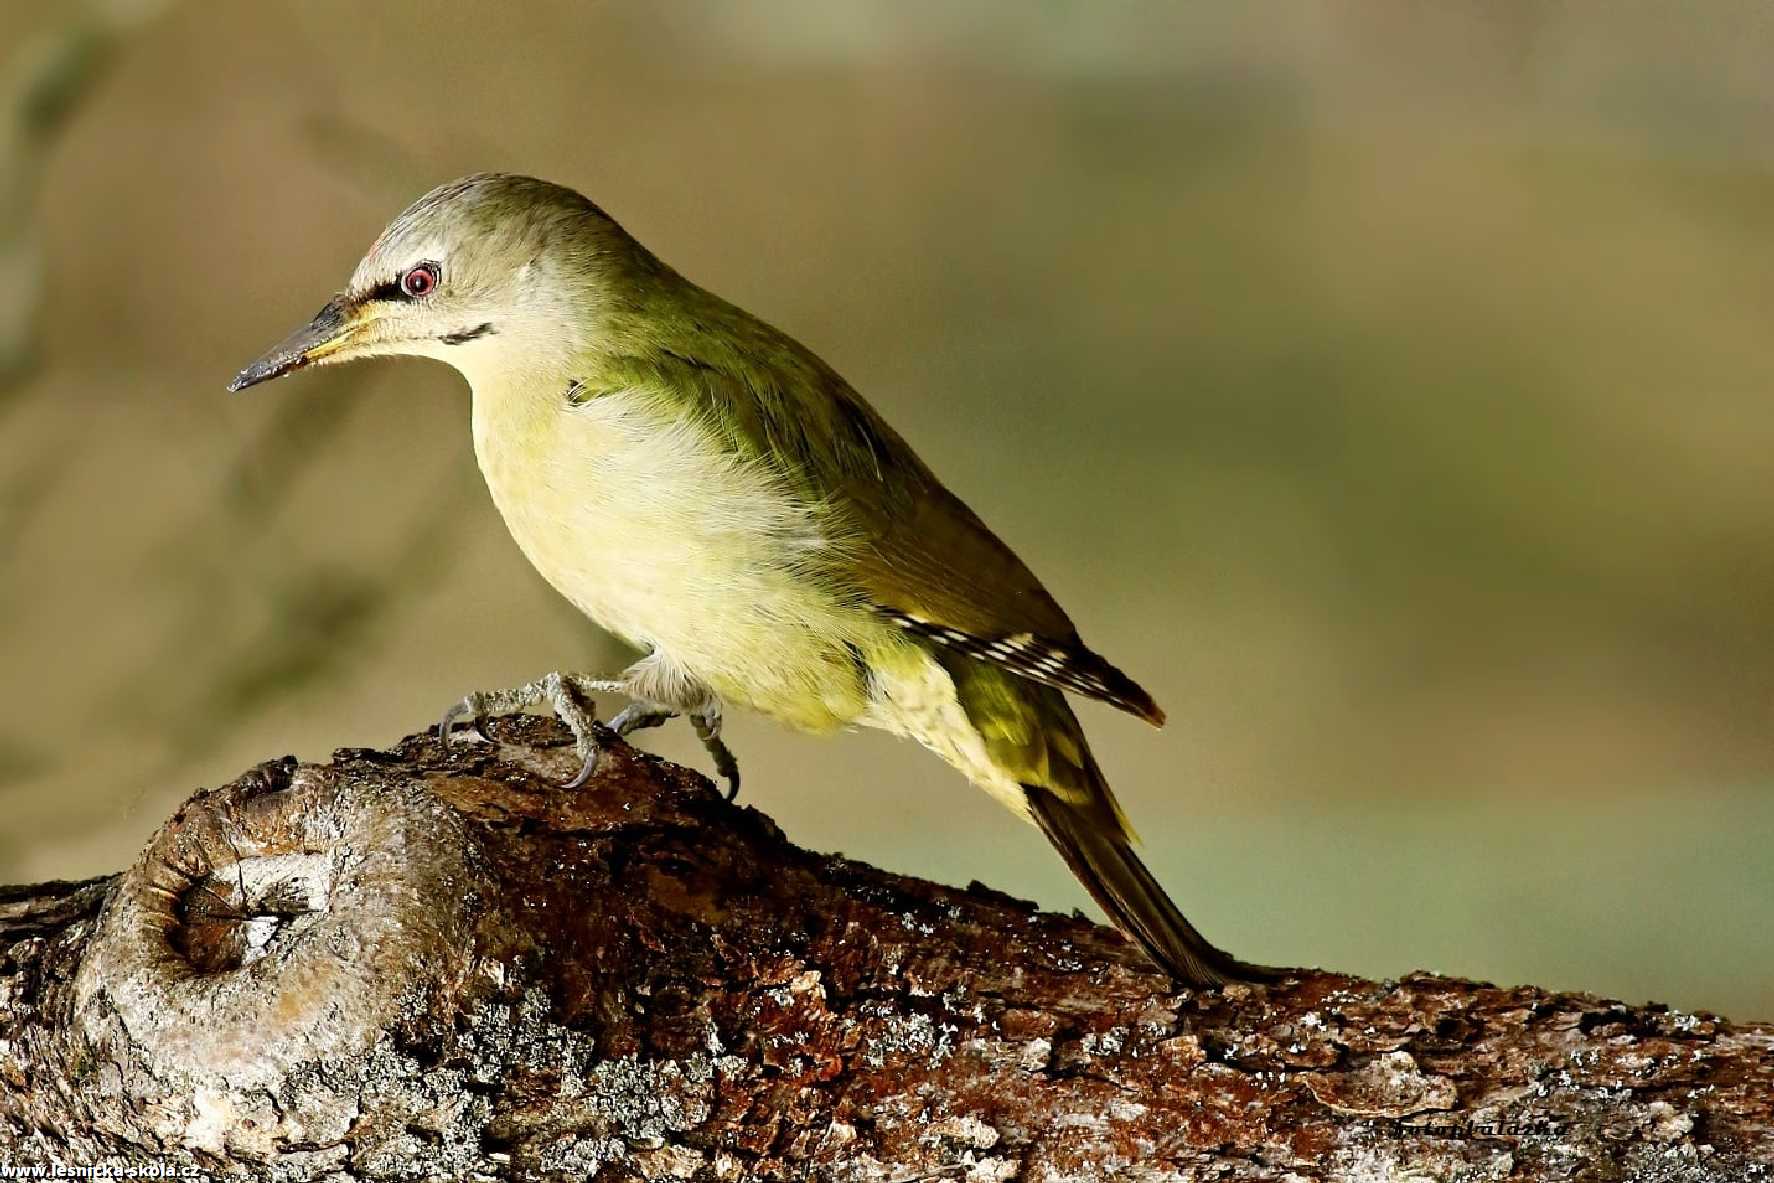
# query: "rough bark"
x,y
434,963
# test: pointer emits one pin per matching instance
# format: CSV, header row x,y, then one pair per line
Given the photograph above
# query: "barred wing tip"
x,y
1066,665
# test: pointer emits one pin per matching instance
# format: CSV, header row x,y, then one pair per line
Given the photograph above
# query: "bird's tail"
x,y
1032,739
1101,855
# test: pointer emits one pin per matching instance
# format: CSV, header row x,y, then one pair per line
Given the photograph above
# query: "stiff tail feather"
x,y
1103,860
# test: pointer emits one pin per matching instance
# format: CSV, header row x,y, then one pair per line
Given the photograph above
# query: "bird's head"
x,y
482,268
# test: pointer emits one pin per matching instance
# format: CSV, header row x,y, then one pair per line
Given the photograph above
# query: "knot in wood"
x,y
289,918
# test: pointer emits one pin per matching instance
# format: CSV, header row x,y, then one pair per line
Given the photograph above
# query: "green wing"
x,y
919,555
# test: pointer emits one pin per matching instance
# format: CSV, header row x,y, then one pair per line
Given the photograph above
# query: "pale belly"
x,y
671,543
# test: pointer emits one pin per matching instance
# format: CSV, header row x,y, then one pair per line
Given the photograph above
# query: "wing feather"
x,y
917,553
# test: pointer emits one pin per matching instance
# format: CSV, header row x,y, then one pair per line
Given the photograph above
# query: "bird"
x,y
709,490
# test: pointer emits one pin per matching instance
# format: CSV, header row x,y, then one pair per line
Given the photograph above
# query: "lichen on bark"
x,y
435,963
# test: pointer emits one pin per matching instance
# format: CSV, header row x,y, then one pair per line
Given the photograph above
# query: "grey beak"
x,y
324,334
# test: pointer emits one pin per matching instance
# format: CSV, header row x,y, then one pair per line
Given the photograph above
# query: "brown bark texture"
x,y
435,963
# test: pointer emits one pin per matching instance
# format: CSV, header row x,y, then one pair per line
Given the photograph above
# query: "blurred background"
x,y
1387,386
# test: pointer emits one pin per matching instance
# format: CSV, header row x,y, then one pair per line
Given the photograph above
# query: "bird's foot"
x,y
706,719
639,716
567,694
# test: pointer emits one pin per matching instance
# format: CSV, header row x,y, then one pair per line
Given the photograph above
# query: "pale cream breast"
x,y
676,544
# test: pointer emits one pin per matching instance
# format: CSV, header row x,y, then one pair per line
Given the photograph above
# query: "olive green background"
x,y
1386,386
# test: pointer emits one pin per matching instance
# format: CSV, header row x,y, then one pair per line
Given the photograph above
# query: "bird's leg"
x,y
662,690
707,721
567,694
705,717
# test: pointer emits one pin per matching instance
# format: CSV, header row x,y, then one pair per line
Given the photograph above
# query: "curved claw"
x,y
447,724
586,771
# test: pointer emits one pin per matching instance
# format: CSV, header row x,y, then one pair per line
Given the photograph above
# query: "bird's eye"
x,y
420,282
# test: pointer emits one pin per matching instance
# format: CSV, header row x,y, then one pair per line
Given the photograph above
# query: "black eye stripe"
x,y
395,289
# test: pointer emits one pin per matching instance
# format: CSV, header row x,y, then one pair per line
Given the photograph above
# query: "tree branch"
x,y
434,963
